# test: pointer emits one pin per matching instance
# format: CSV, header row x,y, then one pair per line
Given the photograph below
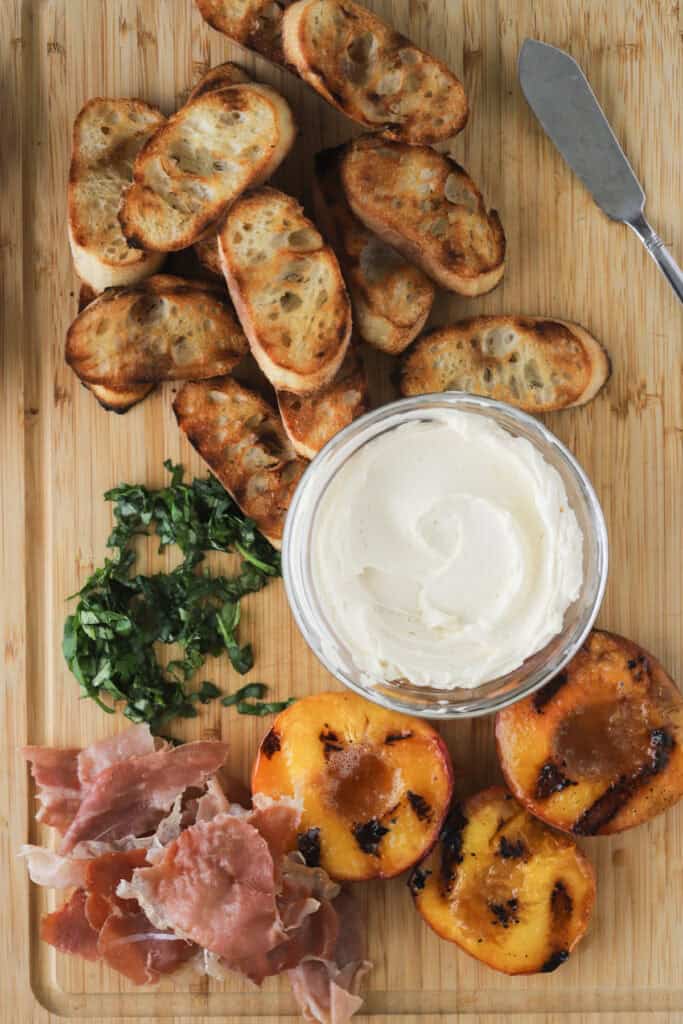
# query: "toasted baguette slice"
x,y
256,24
311,420
206,251
217,78
427,207
535,363
371,73
287,289
162,329
241,439
107,136
120,401
189,172
391,298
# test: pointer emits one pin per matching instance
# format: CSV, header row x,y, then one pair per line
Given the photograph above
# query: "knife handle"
x,y
659,252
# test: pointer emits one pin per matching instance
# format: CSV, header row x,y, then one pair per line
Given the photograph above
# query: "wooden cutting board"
x,y
61,452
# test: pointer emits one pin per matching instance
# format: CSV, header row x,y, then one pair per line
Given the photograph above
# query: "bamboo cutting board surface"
x,y
61,452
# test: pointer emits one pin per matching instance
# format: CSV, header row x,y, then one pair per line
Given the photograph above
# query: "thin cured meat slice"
x,y
132,742
69,930
102,877
326,987
277,821
62,775
215,886
55,772
132,796
45,867
131,944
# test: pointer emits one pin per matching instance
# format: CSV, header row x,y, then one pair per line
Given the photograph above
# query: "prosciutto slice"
x,y
69,930
132,796
326,987
55,773
132,742
62,776
215,886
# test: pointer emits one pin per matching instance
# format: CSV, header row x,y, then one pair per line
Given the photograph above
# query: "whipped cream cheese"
x,y
445,553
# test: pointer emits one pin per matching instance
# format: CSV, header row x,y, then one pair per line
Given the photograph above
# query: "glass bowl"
x,y
400,695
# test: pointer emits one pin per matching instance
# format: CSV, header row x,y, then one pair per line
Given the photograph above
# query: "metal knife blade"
x,y
560,96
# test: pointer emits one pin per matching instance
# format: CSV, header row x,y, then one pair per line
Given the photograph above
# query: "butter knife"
x,y
560,96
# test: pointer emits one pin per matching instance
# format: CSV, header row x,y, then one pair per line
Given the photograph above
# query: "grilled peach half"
x,y
375,785
507,889
599,749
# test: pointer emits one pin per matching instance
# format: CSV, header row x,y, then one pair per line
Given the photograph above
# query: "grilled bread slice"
x,y
120,401
391,298
427,207
162,329
206,251
287,289
256,24
371,73
217,78
311,420
535,363
241,439
107,136
210,151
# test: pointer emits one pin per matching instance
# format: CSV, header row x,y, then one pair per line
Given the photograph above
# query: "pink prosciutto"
x,y
132,796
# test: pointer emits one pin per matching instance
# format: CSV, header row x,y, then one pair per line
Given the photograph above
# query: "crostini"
x,y
539,364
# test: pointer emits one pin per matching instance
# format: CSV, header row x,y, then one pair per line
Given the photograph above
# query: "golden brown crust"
x,y
206,251
218,77
391,298
312,420
600,748
107,135
241,439
120,401
508,890
371,73
256,24
287,289
538,364
165,328
190,170
426,206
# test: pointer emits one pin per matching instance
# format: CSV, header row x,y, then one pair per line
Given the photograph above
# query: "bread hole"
x,y
253,152
274,315
246,227
290,472
182,351
497,342
304,240
408,56
429,94
321,299
429,205
220,165
532,374
105,129
488,375
514,386
236,238
456,192
439,227
514,357
358,57
260,257
390,83
102,326
289,302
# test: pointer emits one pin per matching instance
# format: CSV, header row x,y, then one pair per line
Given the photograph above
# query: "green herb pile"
x,y
109,641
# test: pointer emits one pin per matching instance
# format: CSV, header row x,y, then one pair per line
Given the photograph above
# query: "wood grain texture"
x,y
60,452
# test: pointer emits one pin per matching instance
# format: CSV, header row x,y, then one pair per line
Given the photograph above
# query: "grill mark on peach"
x,y
555,960
271,743
451,844
551,780
505,913
548,692
395,737
620,792
331,742
308,845
369,835
561,903
511,849
422,809
418,880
